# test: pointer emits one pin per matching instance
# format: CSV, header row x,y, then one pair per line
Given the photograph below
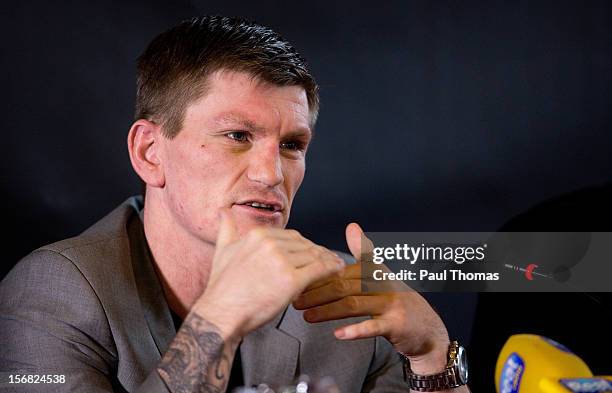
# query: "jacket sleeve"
x,y
386,374
53,327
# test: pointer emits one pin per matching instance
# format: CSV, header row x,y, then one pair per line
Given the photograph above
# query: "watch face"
x,y
462,365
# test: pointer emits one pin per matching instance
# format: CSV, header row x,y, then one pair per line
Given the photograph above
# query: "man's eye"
x,y
292,145
238,136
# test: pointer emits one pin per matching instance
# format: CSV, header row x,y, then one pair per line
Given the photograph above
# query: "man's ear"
x,y
144,144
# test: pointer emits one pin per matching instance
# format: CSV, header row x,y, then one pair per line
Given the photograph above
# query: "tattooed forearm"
x,y
198,359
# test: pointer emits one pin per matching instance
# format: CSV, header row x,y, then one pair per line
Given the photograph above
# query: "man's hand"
x,y
251,281
401,315
254,278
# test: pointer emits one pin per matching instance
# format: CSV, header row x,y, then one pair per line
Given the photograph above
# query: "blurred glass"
x,y
304,384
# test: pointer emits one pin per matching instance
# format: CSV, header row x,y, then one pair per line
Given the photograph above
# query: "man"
x,y
224,114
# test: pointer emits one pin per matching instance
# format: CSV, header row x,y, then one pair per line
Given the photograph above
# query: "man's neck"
x,y
182,261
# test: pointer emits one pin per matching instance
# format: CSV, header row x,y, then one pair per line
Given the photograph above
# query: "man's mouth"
x,y
263,206
270,206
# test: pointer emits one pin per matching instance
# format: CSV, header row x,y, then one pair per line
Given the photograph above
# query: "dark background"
x,y
438,116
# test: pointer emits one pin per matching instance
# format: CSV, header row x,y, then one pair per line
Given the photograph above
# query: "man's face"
x,y
242,147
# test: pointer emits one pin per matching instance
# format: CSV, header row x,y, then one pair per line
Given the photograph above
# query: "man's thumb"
x,y
228,233
357,242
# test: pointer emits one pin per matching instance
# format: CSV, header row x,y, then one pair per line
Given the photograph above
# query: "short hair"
x,y
172,71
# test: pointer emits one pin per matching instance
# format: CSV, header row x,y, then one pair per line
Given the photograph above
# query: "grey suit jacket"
x,y
92,308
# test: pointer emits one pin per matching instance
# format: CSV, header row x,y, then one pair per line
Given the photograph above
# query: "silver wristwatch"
x,y
454,375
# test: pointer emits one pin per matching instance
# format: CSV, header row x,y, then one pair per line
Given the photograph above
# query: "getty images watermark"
x,y
487,261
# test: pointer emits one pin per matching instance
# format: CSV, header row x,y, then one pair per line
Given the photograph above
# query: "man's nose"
x,y
265,166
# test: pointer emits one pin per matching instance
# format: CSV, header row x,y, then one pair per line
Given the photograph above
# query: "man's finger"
x,y
365,329
331,292
301,258
357,242
318,270
350,306
228,233
350,272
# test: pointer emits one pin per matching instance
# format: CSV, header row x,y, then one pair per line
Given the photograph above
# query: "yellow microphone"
x,y
529,363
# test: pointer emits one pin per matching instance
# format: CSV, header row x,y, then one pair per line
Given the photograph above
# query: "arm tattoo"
x,y
198,359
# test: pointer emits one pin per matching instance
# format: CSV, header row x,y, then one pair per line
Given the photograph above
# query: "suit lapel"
x,y
270,354
156,310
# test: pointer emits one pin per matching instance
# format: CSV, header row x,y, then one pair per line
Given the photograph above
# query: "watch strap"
x,y
447,379
450,377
